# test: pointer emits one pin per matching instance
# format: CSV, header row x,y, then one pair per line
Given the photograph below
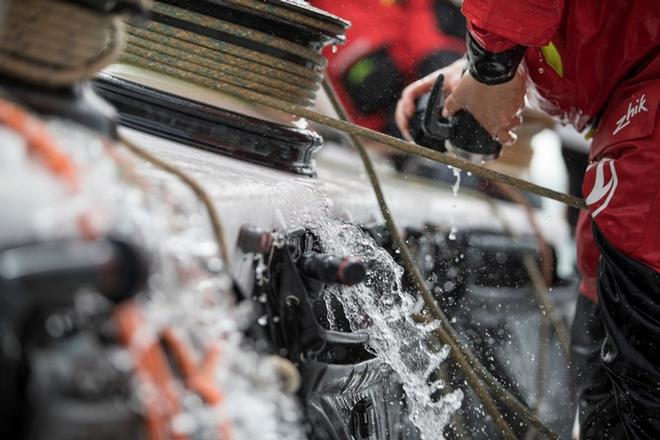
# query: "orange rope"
x,y
41,145
151,363
152,368
199,378
39,142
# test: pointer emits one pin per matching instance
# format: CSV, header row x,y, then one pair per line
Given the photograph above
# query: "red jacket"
x,y
408,29
595,45
593,59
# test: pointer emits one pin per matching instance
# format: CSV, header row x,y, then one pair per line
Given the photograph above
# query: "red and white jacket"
x,y
595,62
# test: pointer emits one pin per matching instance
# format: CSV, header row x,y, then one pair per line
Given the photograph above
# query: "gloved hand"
x,y
405,108
497,107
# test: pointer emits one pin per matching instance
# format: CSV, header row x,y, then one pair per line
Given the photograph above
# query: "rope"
x,y
291,16
356,130
44,148
288,374
172,66
239,31
446,334
55,43
469,364
40,143
541,293
471,377
191,44
413,272
154,59
163,403
144,37
223,48
540,280
546,251
544,335
197,189
417,279
196,58
145,48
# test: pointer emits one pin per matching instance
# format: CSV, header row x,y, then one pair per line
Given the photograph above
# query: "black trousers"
x,y
616,346
596,402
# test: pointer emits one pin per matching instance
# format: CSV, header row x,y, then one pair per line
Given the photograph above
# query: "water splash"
x,y
457,184
454,188
380,307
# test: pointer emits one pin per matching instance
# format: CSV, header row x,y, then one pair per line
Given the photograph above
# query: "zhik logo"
x,y
634,108
602,189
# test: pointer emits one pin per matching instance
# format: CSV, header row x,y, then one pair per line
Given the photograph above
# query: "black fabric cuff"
x,y
492,67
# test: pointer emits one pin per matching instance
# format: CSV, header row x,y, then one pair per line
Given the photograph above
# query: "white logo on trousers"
x,y
602,189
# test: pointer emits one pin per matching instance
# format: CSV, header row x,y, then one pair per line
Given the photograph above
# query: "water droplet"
x,y
541,70
263,320
55,326
457,184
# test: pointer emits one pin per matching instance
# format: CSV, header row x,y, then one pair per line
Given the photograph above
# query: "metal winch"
x,y
272,48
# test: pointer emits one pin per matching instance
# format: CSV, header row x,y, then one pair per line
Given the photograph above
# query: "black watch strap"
x,y
492,67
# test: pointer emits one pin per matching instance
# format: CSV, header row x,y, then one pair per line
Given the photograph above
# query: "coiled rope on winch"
x,y
288,14
217,24
178,37
35,47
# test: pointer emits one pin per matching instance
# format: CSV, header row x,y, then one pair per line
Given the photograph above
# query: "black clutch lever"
x,y
427,126
461,135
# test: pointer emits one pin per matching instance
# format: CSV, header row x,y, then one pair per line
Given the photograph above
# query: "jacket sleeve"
x,y
498,25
